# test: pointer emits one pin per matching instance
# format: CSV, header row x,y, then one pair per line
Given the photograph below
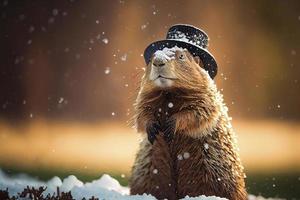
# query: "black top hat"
x,y
189,37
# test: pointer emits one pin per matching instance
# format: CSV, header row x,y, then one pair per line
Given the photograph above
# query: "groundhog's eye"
x,y
181,57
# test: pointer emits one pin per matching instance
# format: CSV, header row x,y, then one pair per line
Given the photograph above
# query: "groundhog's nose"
x,y
158,62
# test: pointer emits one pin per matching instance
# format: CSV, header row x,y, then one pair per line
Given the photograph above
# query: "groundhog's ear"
x,y
199,61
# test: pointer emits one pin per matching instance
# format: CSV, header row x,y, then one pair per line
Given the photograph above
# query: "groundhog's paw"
x,y
152,130
169,129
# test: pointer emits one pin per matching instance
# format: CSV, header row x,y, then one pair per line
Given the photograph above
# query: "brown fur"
x,y
186,166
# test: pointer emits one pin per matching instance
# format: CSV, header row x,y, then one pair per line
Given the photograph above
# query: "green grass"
x,y
282,185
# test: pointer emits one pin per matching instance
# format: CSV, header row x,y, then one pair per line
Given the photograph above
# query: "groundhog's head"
x,y
176,72
174,68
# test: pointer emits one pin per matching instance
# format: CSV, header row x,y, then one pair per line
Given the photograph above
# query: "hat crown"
x,y
188,33
186,37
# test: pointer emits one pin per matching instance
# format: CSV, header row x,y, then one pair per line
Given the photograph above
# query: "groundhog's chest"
x,y
194,169
166,106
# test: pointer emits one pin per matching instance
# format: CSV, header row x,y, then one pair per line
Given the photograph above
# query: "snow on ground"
x,y
105,187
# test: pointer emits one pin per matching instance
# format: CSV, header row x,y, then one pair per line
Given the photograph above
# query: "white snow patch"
x,y
105,187
166,54
202,197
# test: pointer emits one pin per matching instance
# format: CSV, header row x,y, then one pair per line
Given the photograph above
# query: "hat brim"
x,y
208,60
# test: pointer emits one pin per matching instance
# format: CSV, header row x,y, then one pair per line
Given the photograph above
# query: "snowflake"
x,y
186,155
179,157
170,105
206,146
61,99
124,57
55,12
107,70
105,41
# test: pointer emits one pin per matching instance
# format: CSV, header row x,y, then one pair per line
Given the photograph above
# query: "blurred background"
x,y
70,69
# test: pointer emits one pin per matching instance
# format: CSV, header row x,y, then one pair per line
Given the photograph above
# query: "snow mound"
x,y
202,197
105,187
252,197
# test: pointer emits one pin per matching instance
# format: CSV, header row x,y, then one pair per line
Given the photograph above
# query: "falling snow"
x,y
124,57
5,3
144,26
55,12
61,99
66,49
107,70
206,146
155,171
186,155
170,105
179,157
31,29
77,56
105,41
51,20
293,52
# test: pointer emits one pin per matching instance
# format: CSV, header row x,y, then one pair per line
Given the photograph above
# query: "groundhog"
x,y
188,147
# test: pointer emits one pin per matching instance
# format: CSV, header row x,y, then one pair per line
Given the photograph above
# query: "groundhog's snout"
x,y
158,62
